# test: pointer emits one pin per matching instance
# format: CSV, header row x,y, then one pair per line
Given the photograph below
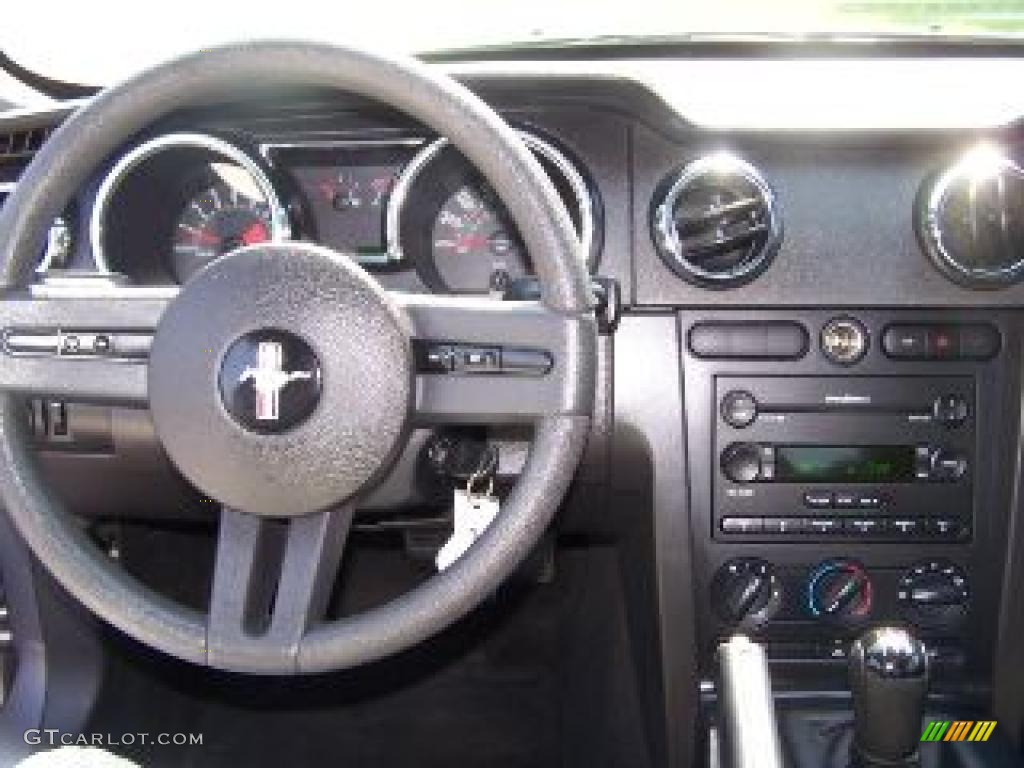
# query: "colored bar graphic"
x,y
935,730
959,730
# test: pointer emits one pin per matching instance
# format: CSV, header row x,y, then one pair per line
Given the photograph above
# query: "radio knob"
x,y
741,462
947,466
839,590
746,592
950,410
739,409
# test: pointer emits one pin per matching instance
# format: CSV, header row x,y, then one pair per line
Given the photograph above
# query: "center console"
x,y
849,469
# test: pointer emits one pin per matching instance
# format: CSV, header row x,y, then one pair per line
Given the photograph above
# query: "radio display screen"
x,y
845,464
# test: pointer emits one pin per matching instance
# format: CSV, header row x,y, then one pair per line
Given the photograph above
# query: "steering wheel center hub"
x,y
270,380
281,379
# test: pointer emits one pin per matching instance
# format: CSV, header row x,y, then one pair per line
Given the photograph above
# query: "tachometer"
x,y
227,213
178,201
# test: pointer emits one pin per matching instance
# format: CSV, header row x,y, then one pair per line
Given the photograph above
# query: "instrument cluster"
x,y
175,202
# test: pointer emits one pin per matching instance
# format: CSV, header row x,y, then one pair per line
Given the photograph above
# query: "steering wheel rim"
x,y
101,127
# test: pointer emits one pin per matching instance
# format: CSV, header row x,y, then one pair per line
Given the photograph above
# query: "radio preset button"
x,y
827,525
739,409
871,526
906,526
742,525
947,528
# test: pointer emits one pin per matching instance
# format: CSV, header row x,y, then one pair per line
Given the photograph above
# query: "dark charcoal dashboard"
x,y
816,375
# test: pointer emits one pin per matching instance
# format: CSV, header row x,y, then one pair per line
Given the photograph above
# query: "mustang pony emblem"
x,y
269,378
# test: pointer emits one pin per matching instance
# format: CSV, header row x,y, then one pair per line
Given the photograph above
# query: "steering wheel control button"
x,y
470,359
281,379
270,380
739,409
844,340
77,344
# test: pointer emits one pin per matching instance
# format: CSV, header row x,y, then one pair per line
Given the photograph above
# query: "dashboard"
x,y
813,391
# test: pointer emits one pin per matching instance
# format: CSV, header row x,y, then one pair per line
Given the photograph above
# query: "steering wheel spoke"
x,y
85,349
483,361
272,581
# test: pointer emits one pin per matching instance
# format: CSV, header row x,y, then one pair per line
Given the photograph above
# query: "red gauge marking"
x,y
467,243
255,233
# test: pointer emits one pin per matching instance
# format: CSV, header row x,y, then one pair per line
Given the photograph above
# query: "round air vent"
x,y
716,222
970,220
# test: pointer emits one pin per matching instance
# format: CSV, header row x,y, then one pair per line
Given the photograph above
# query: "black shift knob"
x,y
889,679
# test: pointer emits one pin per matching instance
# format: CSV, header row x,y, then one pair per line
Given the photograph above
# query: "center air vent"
x,y
716,222
970,220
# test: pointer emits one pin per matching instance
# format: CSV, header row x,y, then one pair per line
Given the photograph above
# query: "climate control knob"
x,y
839,590
934,593
746,592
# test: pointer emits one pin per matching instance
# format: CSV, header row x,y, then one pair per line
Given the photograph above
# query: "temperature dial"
x,y
839,590
746,592
934,593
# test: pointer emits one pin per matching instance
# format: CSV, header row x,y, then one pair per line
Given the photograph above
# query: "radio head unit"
x,y
879,457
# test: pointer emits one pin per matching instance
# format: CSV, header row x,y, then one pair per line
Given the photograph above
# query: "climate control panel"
x,y
751,593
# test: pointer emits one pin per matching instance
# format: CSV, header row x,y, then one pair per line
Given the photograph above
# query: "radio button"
x,y
865,526
905,527
818,499
739,409
826,525
846,500
786,525
869,501
950,410
947,528
947,466
742,525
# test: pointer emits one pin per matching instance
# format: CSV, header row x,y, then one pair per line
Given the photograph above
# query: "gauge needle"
x,y
201,236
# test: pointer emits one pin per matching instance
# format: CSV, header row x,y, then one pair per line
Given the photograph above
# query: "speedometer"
x,y
445,220
474,241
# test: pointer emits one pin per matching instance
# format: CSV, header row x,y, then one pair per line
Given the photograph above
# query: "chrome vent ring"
x,y
970,219
716,222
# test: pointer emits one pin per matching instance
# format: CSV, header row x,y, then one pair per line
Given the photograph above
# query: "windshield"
x,y
103,41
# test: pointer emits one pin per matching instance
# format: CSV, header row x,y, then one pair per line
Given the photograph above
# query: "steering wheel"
x,y
282,316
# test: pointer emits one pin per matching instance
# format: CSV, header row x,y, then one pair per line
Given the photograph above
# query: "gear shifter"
x,y
889,678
